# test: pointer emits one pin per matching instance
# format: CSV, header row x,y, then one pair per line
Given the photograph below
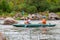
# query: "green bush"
x,y
6,6
31,9
29,6
55,8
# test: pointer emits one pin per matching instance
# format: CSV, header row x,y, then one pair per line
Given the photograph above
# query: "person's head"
x,y
25,19
28,18
44,17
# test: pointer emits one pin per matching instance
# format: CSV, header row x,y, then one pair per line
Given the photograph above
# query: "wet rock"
x,y
9,21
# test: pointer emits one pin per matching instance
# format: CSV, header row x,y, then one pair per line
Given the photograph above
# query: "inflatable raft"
x,y
34,25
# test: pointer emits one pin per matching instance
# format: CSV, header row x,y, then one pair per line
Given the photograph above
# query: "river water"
x,y
20,33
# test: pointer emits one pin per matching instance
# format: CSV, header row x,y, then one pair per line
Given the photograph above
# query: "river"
x,y
20,33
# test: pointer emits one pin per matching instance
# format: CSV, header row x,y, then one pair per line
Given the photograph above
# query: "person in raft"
x,y
44,20
27,20
44,30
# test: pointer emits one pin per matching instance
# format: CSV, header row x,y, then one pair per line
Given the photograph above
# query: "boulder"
x,y
9,21
22,18
34,16
53,16
1,18
17,15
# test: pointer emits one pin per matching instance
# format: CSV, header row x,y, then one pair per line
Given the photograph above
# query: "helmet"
x,y
43,16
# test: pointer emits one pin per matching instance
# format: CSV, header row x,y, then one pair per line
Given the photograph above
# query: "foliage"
x,y
31,9
29,6
4,6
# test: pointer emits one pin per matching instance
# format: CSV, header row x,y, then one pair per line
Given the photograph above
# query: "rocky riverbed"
x,y
14,33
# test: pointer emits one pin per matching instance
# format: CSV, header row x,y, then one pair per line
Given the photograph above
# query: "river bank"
x,y
20,16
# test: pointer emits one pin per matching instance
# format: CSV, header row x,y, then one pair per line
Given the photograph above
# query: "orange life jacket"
x,y
43,21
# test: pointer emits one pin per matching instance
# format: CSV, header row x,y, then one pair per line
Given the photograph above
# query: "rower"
x,y
27,21
44,20
44,30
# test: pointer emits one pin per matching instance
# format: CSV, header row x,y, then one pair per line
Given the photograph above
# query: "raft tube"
x,y
34,25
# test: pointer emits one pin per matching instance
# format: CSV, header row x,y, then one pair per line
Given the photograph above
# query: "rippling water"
x,y
14,33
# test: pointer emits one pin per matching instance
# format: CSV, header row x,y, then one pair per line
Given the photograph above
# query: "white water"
x,y
14,33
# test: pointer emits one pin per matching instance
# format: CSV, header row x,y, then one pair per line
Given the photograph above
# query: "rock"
x,y
34,16
1,18
9,21
22,18
53,16
18,14
30,16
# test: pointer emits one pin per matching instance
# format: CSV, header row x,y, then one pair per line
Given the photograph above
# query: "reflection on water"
x,y
14,33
